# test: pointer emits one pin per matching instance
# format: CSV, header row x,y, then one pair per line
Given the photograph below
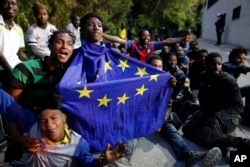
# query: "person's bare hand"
x,y
190,38
30,144
173,82
115,153
215,124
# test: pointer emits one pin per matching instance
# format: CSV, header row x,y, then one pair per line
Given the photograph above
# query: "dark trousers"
x,y
201,130
219,34
245,92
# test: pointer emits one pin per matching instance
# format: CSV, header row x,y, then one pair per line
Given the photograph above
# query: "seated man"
x,y
182,59
221,104
235,66
179,95
180,147
194,74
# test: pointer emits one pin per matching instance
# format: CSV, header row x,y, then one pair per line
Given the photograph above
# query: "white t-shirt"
x,y
38,37
76,32
11,40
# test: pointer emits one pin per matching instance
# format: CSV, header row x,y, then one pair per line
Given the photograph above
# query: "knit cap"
x,y
37,5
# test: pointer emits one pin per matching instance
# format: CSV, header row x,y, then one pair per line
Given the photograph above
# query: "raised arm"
x,y
169,41
187,38
113,38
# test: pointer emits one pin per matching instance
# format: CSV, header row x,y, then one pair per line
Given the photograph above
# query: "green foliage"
x,y
174,14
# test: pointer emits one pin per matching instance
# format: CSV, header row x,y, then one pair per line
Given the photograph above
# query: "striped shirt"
x,y
36,80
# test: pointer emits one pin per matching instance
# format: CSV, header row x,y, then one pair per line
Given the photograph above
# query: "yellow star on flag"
x,y
84,92
104,101
141,71
141,90
122,99
107,66
153,77
123,64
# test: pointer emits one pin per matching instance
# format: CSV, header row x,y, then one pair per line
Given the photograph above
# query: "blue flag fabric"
x,y
110,97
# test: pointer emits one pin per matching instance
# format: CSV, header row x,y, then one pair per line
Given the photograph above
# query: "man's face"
x,y
42,16
240,59
215,66
93,30
9,8
201,57
76,21
51,122
157,63
172,62
144,38
62,48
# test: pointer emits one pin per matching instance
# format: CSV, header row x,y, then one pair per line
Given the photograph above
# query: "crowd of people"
x,y
207,110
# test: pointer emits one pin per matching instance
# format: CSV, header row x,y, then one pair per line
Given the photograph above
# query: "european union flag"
x,y
109,96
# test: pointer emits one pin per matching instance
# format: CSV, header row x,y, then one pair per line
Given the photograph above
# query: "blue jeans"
x,y
179,146
15,113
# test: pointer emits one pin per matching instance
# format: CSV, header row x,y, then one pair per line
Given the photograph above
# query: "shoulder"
x,y
227,76
227,80
70,25
17,26
156,45
179,73
32,28
130,43
51,26
227,64
29,64
35,132
33,62
78,139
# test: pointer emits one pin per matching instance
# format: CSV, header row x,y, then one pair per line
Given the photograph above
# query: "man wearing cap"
x,y
38,34
220,24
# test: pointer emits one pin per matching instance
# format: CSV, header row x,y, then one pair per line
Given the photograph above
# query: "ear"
x,y
64,118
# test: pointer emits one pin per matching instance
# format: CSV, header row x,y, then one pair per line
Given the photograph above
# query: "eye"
x,y
42,122
54,117
70,43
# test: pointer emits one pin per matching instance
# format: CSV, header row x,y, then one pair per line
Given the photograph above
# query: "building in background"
x,y
237,25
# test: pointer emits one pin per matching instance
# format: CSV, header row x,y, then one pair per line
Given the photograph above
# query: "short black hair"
x,y
52,101
211,56
202,51
155,57
55,33
73,16
171,54
236,52
86,17
141,31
